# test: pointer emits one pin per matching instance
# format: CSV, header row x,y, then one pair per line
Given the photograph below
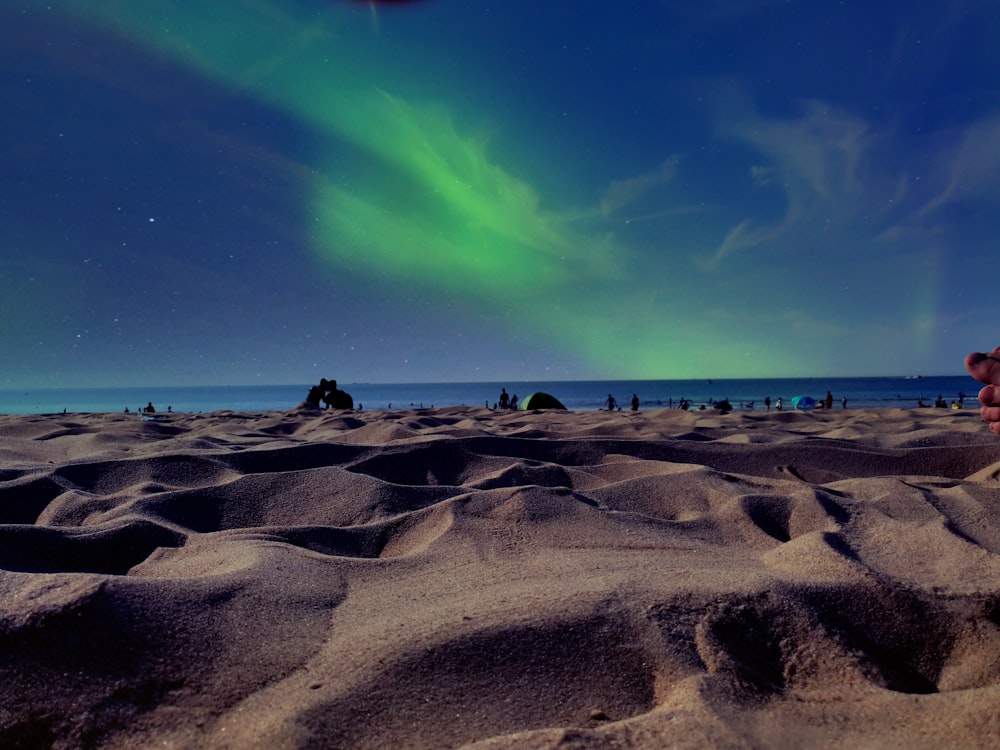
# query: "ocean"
x,y
861,393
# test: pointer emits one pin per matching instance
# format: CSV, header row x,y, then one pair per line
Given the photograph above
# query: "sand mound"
x,y
460,577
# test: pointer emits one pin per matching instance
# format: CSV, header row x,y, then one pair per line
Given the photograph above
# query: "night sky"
x,y
270,191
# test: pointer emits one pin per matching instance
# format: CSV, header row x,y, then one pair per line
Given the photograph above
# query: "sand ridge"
x,y
466,578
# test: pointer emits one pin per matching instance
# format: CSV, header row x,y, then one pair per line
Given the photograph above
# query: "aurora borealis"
x,y
200,192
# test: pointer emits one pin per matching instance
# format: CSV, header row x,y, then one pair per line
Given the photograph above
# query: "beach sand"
x,y
465,578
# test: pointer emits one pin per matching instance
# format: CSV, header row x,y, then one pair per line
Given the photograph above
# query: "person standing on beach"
x,y
777,404
767,403
504,399
985,367
828,403
635,402
610,401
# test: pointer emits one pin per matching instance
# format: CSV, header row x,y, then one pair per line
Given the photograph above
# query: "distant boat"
x,y
912,377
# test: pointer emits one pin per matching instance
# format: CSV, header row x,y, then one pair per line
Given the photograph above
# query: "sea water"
x,y
575,395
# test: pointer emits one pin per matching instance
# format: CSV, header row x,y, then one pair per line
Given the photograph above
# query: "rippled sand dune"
x,y
466,578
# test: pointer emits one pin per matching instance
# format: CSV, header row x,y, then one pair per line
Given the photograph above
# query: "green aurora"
x,y
426,204
446,190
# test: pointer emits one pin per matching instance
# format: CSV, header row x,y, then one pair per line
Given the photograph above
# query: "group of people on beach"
x,y
147,409
940,403
331,396
612,404
506,401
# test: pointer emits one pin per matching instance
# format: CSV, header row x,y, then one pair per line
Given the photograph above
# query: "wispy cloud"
x,y
625,192
836,167
973,168
820,151
745,235
816,160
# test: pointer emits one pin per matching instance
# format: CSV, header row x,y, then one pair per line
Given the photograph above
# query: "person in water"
x,y
985,367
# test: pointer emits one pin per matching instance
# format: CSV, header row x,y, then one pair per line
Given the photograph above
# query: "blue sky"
x,y
270,192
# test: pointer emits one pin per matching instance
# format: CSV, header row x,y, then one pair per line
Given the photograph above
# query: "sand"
x,y
465,578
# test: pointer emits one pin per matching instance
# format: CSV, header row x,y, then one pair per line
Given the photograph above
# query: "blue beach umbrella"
x,y
804,403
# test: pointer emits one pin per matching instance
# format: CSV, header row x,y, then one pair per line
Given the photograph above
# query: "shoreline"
x,y
971,405
576,395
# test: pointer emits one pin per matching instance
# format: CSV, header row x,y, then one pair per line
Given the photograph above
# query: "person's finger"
x,y
989,395
984,366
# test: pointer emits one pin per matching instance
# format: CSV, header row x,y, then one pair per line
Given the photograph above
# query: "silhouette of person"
x,y
149,408
333,397
635,402
610,401
314,396
504,399
513,401
829,400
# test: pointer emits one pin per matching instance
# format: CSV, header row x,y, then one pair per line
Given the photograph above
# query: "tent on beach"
x,y
539,400
804,403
